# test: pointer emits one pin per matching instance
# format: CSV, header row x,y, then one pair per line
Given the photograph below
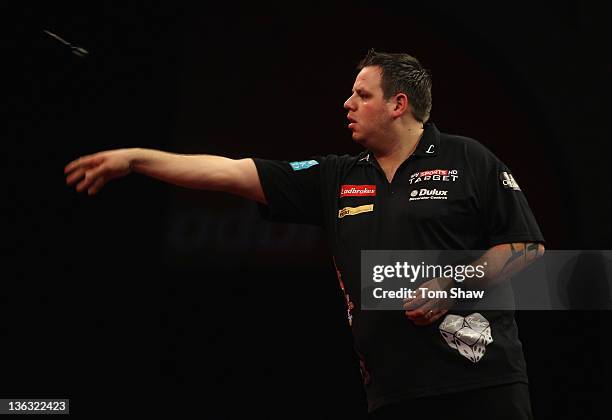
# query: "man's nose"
x,y
348,104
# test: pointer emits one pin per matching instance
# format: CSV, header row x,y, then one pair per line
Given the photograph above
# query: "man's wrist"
x,y
135,157
447,283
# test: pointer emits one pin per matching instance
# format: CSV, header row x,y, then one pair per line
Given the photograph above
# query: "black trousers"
x,y
502,402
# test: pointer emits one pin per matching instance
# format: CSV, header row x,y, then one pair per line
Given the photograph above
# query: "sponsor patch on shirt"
x,y
304,164
508,181
357,190
351,211
445,175
425,194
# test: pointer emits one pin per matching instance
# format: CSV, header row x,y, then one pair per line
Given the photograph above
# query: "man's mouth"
x,y
352,122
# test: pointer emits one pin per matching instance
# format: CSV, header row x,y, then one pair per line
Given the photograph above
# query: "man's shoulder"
x,y
345,158
312,163
341,162
460,142
466,146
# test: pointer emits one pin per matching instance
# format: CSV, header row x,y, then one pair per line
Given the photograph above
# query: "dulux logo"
x,y
426,192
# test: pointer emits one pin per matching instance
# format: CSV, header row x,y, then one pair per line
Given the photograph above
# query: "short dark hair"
x,y
403,73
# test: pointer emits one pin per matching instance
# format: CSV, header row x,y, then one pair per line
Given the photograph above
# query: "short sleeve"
x,y
507,215
292,190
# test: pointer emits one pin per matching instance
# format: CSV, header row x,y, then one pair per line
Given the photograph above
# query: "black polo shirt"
x,y
451,194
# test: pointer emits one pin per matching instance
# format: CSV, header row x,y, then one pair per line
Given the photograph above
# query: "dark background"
x,y
149,298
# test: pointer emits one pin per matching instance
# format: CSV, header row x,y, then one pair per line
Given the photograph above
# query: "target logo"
x,y
444,175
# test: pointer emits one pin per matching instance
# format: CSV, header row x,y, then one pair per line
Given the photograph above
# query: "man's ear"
x,y
400,104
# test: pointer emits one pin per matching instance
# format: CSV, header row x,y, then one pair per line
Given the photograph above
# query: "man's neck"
x,y
398,150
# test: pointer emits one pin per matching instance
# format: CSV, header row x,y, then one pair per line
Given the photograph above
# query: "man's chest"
x,y
419,192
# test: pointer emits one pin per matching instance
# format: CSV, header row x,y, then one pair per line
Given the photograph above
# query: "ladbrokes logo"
x,y
445,175
425,194
358,191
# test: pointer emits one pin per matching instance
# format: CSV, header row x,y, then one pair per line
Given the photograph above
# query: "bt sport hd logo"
x,y
444,175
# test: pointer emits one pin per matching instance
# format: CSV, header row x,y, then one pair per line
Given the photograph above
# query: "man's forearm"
x,y
503,261
192,171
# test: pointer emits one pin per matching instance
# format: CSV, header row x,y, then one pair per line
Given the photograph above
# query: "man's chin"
x,y
358,138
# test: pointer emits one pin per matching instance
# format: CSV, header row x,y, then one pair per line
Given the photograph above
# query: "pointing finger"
x,y
83,161
75,176
73,165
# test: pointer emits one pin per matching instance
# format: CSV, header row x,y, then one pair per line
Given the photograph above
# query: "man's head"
x,y
388,87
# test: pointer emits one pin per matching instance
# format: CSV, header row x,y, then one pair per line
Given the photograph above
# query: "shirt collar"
x,y
430,142
365,158
428,146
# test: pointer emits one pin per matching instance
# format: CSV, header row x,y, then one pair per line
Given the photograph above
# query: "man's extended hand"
x,y
96,170
425,311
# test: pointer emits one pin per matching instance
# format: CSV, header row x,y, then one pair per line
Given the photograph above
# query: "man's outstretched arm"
x,y
205,172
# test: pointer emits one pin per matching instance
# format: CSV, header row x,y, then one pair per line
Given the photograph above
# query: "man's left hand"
x,y
424,311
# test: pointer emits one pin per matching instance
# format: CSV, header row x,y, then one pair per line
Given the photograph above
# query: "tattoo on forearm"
x,y
516,253
533,247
